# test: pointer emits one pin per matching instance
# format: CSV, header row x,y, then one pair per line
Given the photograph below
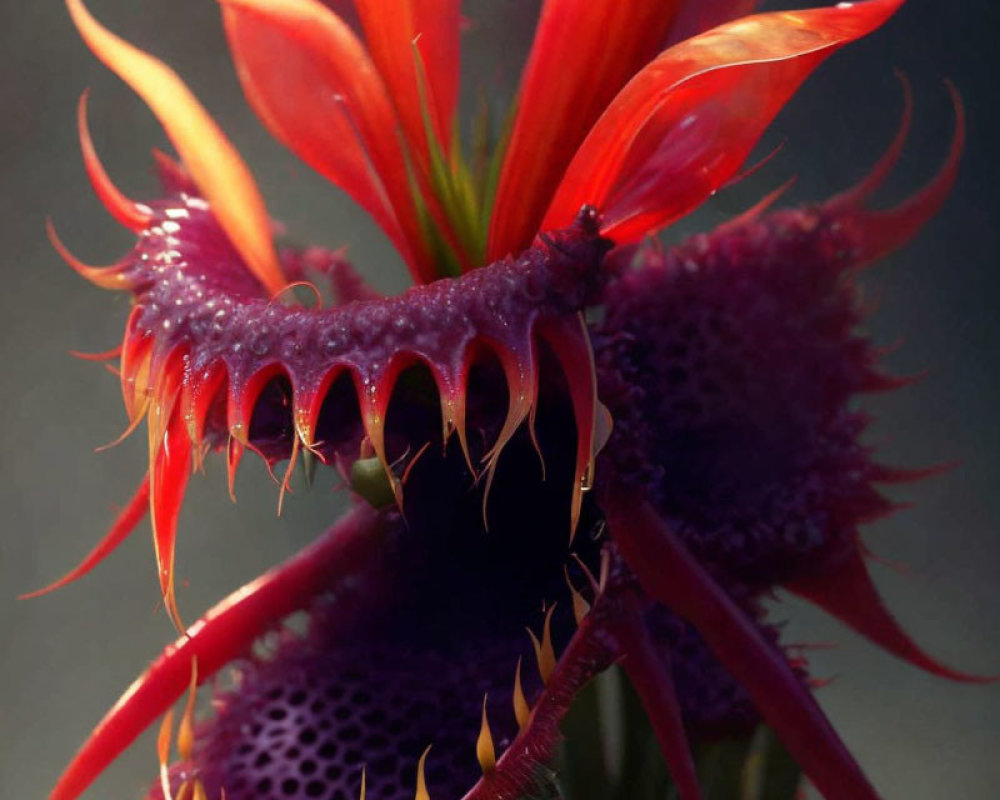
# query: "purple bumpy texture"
x,y
728,364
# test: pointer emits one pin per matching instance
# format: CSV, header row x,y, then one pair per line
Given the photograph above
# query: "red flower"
x,y
611,141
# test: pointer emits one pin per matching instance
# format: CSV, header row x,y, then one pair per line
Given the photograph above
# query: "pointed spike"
x,y
887,474
287,477
544,651
234,455
163,751
580,606
847,592
185,729
107,355
522,711
884,231
112,277
129,213
856,196
422,793
361,796
486,753
126,522
758,208
672,576
570,342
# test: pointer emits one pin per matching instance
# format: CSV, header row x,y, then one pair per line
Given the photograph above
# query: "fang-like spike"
x,y
522,711
130,516
129,213
486,753
421,793
671,575
846,591
361,795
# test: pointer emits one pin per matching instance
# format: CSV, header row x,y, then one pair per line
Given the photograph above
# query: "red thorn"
x,y
655,685
846,591
130,516
127,212
759,207
671,575
856,196
105,356
755,168
886,474
884,231
112,277
876,382
224,633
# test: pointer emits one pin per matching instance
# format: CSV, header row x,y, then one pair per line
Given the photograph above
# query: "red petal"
x,y
698,16
582,55
392,28
687,122
847,592
224,633
311,81
669,573
130,516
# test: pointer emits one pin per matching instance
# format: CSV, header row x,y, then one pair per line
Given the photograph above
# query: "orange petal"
x,y
311,82
392,29
212,160
684,125
582,55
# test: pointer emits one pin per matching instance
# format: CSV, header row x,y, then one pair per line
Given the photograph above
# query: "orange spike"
x,y
112,277
163,751
115,352
522,711
212,160
422,793
123,526
544,651
129,213
185,729
486,752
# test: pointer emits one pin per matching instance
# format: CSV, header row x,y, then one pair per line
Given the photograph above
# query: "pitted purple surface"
x,y
729,363
304,723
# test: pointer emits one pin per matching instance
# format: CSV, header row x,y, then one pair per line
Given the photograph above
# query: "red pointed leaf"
x,y
311,81
847,592
582,55
130,516
671,575
685,124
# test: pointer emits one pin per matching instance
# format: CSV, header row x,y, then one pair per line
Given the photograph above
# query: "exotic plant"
x,y
641,441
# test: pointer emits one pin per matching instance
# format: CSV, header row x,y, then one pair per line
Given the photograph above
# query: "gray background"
x,y
66,658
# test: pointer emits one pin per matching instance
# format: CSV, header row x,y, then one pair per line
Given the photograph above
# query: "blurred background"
x,y
65,658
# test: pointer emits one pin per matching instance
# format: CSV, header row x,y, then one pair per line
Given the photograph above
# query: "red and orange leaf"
x,y
328,104
686,123
581,57
212,160
392,29
130,516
